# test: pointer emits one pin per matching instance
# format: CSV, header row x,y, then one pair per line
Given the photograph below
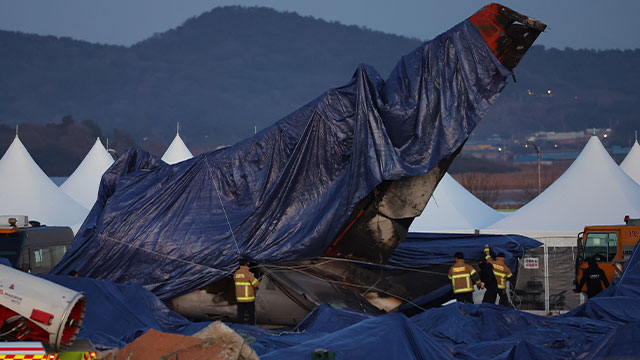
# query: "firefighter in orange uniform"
x,y
245,295
463,276
502,273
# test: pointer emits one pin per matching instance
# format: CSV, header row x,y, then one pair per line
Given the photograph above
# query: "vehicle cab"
x,y
610,245
31,247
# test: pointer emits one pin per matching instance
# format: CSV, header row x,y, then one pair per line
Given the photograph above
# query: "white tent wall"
x,y
84,183
27,190
452,208
631,163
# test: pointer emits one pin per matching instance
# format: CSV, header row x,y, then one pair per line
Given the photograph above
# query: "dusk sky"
x,y
572,23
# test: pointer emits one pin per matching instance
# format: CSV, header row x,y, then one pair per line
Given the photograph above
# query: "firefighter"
x,y
462,278
245,283
502,273
594,277
489,280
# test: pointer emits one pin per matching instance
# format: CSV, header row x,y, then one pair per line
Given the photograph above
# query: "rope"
x,y
300,267
385,266
233,236
163,255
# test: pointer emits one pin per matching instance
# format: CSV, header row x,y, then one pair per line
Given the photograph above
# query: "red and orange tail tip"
x,y
509,34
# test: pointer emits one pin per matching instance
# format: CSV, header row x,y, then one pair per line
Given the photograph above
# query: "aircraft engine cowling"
x,y
35,309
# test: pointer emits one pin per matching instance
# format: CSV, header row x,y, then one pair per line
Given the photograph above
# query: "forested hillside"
x,y
588,89
219,74
232,69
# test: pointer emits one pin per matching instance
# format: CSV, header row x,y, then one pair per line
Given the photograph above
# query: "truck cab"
x,y
31,247
610,245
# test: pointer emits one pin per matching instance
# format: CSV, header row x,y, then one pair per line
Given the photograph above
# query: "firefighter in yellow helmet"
x,y
245,295
502,273
463,276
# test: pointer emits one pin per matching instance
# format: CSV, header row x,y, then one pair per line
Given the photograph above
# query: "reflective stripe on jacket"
x,y
245,283
501,271
463,277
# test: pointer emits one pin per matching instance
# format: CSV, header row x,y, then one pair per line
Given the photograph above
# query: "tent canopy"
x,y
27,190
177,151
454,208
631,163
593,191
83,184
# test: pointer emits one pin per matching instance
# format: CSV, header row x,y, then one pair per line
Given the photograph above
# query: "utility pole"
x,y
530,142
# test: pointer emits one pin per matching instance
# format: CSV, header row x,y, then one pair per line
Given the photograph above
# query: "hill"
x,y
219,74
588,89
231,69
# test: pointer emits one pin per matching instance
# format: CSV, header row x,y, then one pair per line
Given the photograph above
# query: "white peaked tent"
x,y
177,151
631,163
454,209
593,191
27,190
83,184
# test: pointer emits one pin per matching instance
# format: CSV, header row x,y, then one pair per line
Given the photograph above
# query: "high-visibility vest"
x,y
501,271
245,283
460,275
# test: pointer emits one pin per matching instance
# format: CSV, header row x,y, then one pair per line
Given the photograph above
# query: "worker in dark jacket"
x,y
594,277
489,280
502,274
245,284
463,276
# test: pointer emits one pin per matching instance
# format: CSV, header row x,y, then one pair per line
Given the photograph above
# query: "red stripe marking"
x,y
335,242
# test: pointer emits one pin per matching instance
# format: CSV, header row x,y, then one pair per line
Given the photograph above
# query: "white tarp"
x,y
453,208
26,190
83,184
631,163
593,191
176,152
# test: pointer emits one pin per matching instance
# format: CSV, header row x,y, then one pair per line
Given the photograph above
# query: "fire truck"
x,y
610,245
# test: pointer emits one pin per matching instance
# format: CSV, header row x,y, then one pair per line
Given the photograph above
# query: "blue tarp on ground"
x,y
604,327
285,192
620,305
118,313
462,331
348,334
422,249
320,321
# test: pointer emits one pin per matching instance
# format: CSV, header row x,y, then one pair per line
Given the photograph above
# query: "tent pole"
x,y
546,279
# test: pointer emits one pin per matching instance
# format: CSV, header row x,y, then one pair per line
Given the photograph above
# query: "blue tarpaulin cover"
x,y
604,327
117,314
421,249
283,194
5,261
